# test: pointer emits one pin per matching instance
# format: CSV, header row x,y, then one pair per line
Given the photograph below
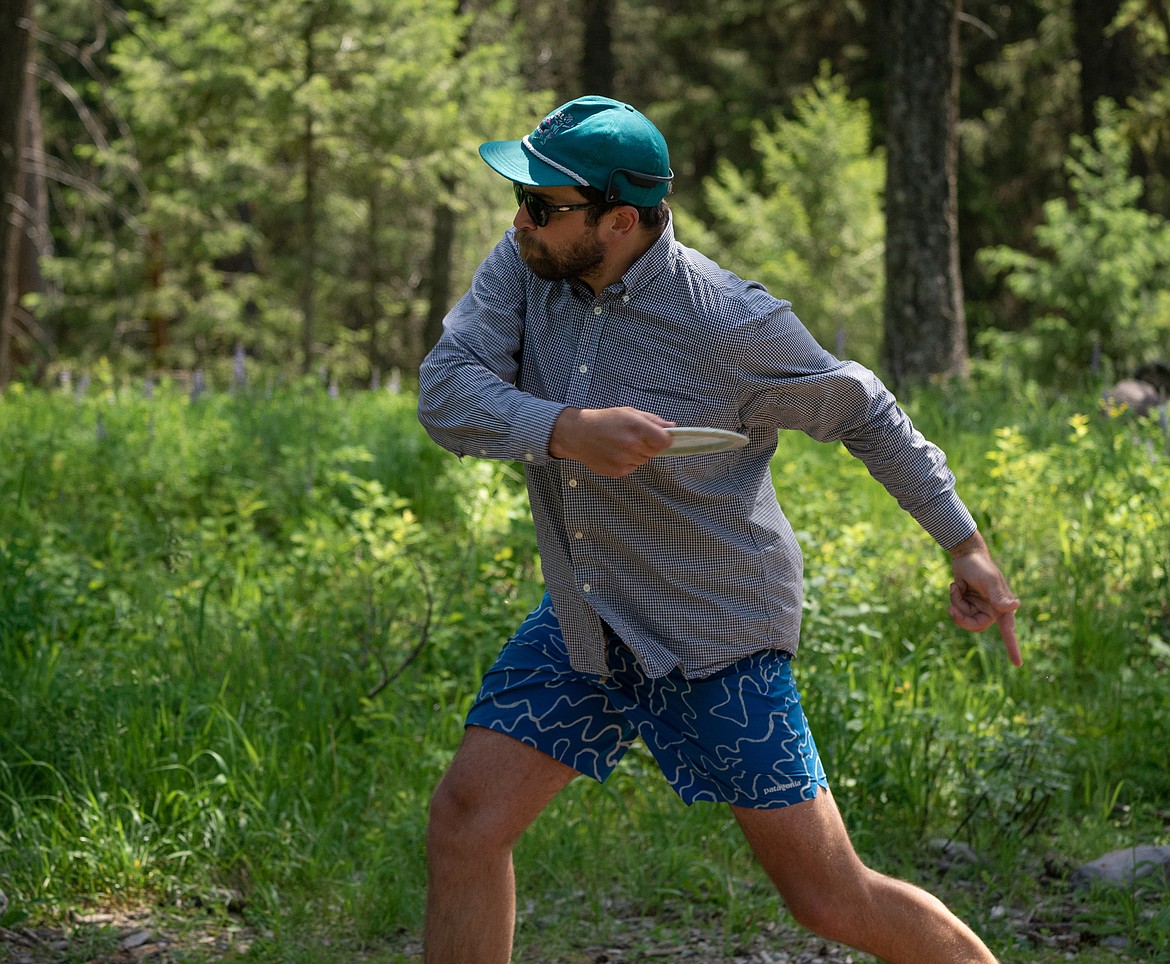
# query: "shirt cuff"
x,y
532,427
947,520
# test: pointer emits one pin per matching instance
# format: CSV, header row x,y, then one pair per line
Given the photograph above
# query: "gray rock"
x,y
1125,867
1144,391
137,939
953,853
1136,396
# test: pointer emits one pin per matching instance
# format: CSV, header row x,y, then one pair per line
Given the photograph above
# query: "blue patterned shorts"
x,y
739,736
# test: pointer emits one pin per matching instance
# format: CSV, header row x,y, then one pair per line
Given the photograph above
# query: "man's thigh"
x,y
497,785
532,694
738,737
804,847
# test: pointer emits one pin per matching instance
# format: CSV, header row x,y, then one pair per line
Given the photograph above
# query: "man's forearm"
x,y
973,543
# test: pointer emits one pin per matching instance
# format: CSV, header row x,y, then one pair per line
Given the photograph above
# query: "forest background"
x,y
298,182
244,601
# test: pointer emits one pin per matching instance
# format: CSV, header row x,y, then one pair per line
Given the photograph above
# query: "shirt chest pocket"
x,y
686,411
681,408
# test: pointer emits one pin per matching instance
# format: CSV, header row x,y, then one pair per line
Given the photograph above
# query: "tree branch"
x,y
423,636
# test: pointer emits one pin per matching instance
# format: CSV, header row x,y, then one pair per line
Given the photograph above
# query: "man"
x,y
674,584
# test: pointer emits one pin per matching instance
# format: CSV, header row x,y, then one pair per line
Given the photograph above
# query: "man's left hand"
x,y
980,595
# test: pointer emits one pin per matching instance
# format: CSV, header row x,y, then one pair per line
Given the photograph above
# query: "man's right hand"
x,y
610,441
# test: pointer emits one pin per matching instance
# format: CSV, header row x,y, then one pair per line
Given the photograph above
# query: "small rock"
x,y
1133,395
1125,867
137,939
953,852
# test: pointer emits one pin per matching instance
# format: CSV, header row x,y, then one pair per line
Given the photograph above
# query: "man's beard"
x,y
583,257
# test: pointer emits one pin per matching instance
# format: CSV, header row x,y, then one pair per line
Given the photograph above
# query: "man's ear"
x,y
625,219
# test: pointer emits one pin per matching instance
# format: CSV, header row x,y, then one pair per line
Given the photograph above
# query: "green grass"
x,y
238,637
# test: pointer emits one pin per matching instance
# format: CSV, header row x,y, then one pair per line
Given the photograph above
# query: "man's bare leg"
x,y
805,850
495,787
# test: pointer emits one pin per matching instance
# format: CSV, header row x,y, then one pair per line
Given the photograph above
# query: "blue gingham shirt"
x,y
689,559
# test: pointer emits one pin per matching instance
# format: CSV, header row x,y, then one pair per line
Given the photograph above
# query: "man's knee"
x,y
456,812
837,911
495,787
463,818
820,912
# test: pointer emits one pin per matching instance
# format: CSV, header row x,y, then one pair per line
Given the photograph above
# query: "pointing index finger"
x,y
1007,630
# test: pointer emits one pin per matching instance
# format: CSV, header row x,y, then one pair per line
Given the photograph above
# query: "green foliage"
x,y
273,165
203,601
1019,101
178,139
924,730
1145,120
239,635
1102,281
807,222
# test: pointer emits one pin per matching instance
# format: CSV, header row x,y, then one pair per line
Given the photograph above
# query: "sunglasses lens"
x,y
537,209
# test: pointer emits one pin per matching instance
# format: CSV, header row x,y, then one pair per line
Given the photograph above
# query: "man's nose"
x,y
523,220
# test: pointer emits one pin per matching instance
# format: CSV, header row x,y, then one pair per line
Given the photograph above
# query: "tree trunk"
x,y
442,240
34,239
37,240
925,323
1107,58
309,252
15,50
442,250
597,66
373,281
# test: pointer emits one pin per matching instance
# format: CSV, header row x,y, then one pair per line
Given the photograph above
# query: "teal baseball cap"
x,y
591,141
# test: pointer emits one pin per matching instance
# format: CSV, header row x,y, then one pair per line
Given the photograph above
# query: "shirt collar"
x,y
654,262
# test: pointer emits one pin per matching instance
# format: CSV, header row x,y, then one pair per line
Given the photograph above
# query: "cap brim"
x,y
511,160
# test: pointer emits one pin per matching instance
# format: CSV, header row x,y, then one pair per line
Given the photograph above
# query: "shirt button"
x,y
597,309
585,588
483,451
578,535
572,483
625,299
530,457
583,369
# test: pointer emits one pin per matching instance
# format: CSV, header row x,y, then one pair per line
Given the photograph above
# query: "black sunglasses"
x,y
540,210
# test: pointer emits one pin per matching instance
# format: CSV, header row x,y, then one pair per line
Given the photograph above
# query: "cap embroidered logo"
x,y
552,125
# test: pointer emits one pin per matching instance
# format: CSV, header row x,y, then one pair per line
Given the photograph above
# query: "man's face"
x,y
566,247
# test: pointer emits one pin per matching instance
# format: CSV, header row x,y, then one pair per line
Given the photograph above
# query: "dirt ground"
x,y
128,937
182,937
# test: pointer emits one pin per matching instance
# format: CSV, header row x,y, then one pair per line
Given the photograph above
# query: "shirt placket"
x,y
580,522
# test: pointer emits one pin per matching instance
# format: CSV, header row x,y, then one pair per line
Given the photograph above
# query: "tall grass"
x,y
239,634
